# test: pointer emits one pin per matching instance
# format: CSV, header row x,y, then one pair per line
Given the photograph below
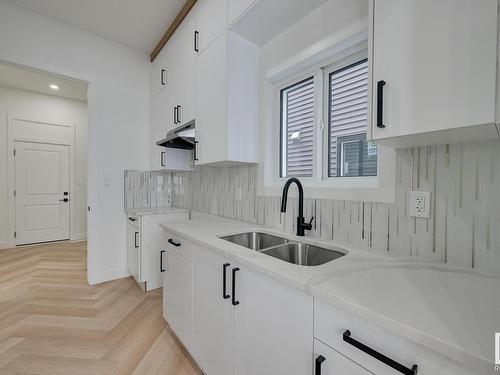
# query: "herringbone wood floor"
x,y
52,322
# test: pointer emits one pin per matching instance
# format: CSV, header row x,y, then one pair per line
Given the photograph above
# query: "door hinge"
x,y
14,152
15,234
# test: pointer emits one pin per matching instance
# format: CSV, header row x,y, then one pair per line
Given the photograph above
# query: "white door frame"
x,y
12,138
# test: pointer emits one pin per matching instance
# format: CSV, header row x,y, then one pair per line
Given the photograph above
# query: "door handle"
x,y
319,360
234,301
380,104
161,261
224,270
64,200
135,240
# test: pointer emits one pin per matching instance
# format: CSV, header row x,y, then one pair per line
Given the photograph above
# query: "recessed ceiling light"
x,y
54,87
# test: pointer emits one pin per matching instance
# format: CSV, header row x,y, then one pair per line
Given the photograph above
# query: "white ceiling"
x,y
139,24
24,79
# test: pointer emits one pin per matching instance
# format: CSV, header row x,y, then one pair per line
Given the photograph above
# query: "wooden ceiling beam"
x,y
170,31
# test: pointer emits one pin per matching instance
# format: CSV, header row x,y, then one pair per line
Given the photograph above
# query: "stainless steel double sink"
x,y
299,253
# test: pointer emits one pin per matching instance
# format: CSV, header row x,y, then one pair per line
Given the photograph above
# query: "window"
x,y
297,129
341,144
350,155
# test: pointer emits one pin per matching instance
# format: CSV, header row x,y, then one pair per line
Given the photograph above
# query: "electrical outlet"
x,y
420,204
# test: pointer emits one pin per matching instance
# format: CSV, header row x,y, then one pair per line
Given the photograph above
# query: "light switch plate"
x,y
420,204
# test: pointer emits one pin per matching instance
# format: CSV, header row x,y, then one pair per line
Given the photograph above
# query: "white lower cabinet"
x,y
273,326
213,314
178,295
328,361
134,247
248,324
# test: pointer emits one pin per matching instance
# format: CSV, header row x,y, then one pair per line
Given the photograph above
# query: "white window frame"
x,y
380,188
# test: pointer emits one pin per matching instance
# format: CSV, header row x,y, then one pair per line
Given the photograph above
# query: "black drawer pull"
x,y
176,244
319,360
224,271
161,261
382,358
235,303
380,104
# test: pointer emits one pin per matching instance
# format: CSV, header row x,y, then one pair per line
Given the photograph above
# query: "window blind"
x,y
297,125
348,111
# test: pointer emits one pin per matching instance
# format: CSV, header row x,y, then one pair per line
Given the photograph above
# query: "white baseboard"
x,y
79,236
102,277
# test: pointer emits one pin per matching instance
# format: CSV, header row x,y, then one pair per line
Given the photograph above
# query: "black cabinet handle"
x,y
171,241
175,115
161,261
319,360
162,158
224,270
380,104
135,240
179,109
382,358
195,157
233,289
163,71
196,38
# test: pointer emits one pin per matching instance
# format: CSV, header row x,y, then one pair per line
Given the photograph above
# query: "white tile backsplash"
x,y
464,228
147,189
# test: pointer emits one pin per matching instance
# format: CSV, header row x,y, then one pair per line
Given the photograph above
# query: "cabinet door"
x,y
213,315
211,103
273,327
134,252
211,19
329,362
185,55
438,62
178,296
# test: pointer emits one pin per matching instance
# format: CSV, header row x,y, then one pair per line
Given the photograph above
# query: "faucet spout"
x,y
301,224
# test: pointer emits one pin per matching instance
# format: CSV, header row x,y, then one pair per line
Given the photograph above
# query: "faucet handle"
x,y
308,226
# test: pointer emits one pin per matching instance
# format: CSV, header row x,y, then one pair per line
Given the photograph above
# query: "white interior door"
x,y
42,185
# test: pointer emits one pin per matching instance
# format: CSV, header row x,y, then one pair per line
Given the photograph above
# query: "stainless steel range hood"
x,y
182,137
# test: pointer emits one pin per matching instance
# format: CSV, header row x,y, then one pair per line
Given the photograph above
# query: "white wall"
x,y
45,108
119,94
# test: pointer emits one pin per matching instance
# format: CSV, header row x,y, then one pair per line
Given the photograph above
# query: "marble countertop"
x,y
449,310
154,211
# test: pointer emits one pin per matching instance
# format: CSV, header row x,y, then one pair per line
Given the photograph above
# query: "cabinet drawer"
x,y
330,324
328,361
184,248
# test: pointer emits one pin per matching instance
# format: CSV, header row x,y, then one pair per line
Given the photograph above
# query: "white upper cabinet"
x,y
227,101
236,8
211,21
182,70
434,71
